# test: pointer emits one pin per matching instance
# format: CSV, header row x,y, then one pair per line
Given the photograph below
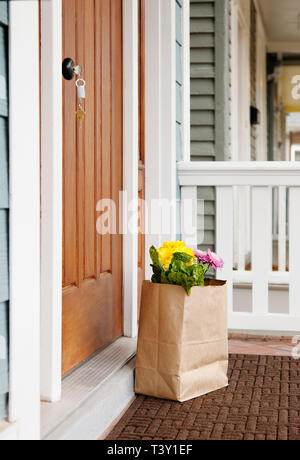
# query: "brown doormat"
x,y
262,402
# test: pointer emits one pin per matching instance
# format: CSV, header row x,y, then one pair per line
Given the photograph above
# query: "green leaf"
x,y
155,259
156,278
157,267
178,266
164,278
182,256
198,272
180,279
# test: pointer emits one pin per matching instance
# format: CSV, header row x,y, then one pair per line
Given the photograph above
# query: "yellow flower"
x,y
169,248
174,244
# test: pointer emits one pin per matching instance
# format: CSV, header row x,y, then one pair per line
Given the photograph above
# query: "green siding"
x,y
4,164
202,79
4,294
209,97
3,348
3,403
4,210
4,12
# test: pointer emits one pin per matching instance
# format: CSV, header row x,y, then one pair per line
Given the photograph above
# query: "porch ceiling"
x,y
281,19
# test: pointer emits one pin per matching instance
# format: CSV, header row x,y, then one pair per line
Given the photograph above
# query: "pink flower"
x,y
214,260
210,258
202,256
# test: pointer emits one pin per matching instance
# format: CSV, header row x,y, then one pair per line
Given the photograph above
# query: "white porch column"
x,y
160,120
24,126
186,94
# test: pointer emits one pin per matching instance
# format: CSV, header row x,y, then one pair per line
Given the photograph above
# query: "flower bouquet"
x,y
174,263
183,345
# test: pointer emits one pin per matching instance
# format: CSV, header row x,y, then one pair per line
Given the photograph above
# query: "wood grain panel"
x,y
116,149
70,235
92,295
106,122
97,125
89,143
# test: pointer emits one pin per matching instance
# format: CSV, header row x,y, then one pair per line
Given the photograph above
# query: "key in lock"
x,y
80,83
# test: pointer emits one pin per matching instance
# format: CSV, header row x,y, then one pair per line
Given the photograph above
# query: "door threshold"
x,y
8,431
83,384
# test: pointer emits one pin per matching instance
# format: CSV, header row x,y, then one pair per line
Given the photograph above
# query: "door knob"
x,y
69,69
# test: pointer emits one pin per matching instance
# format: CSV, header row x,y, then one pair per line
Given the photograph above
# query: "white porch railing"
x,y
261,178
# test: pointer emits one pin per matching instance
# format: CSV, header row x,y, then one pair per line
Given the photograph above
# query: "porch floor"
x,y
262,401
258,345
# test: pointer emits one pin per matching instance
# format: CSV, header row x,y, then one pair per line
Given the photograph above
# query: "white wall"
x,y
241,82
261,82
244,6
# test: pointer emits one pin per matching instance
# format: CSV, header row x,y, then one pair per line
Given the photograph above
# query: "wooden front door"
x,y
92,170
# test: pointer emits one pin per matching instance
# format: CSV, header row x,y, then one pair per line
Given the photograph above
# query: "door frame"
x,y
160,167
51,199
51,184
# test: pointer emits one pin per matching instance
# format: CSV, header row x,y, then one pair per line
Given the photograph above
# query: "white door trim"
x,y
51,200
24,127
130,163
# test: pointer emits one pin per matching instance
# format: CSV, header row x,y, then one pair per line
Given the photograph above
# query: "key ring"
x,y
80,80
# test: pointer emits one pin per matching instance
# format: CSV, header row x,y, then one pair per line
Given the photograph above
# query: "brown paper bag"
x,y
183,341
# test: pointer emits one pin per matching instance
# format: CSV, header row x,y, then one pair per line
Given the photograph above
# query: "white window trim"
x,y
24,127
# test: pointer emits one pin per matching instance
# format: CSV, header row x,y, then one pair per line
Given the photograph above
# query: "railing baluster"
x,y
224,237
294,249
282,229
241,228
261,247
